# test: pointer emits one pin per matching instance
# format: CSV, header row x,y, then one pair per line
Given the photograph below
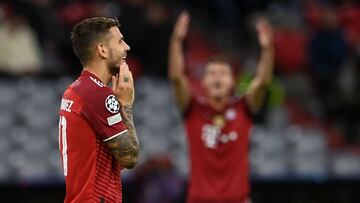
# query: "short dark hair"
x,y
220,59
88,32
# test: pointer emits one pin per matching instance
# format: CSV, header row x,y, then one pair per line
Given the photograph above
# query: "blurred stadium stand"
x,y
305,148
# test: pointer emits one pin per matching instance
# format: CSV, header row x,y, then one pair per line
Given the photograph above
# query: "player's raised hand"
x,y
181,26
265,33
123,85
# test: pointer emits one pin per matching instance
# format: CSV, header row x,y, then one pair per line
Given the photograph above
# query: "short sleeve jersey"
x,y
218,147
89,116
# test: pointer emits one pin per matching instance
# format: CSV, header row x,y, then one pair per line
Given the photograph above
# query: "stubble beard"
x,y
113,68
113,65
220,97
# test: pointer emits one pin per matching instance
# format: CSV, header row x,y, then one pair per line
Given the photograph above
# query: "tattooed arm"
x,y
125,147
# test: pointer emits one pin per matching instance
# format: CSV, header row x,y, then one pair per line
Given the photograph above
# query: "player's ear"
x,y
102,50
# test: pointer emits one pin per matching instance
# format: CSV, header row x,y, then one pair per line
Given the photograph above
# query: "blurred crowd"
x,y
317,43
317,55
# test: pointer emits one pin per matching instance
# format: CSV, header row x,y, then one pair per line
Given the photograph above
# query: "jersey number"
x,y
62,141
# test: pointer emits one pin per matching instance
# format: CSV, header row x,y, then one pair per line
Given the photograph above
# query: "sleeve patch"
x,y
112,104
114,119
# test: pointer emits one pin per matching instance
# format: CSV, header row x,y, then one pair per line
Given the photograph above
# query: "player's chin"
x,y
114,69
214,94
217,94
123,60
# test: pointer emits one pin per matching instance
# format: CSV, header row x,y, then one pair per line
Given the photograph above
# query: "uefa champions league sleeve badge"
x,y
112,104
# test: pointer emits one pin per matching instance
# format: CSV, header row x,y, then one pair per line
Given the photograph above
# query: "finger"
x,y
119,72
263,25
181,16
184,19
184,16
131,78
122,73
126,74
132,83
259,26
114,81
126,67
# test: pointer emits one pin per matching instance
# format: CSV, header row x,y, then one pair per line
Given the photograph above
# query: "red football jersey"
x,y
218,147
89,116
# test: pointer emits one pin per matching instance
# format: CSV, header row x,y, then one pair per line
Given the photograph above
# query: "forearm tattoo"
x,y
127,112
129,122
126,147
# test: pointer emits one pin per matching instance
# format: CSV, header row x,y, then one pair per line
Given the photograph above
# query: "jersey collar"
x,y
93,77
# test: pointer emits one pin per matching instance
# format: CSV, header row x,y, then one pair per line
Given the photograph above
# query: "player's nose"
x,y
127,47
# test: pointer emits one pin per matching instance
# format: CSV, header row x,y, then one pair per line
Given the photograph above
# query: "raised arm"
x,y
125,147
256,93
176,61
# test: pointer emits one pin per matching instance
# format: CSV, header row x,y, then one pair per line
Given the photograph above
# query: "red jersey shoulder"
x,y
199,100
241,104
197,103
70,102
100,106
96,95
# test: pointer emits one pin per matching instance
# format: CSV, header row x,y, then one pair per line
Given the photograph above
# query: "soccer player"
x,y
218,124
97,137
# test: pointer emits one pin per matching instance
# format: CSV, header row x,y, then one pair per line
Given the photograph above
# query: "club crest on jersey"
x,y
230,114
112,104
212,136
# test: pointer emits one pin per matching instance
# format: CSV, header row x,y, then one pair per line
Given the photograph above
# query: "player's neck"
x,y
100,71
218,103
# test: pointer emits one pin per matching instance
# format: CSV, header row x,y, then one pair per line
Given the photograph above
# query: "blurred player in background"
x,y
97,136
218,124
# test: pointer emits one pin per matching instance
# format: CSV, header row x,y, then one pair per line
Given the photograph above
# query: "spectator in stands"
x,y
154,43
328,51
20,51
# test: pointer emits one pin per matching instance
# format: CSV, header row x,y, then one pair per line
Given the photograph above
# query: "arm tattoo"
x,y
126,146
128,114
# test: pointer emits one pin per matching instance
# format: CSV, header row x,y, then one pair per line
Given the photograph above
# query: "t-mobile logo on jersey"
x,y
211,135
